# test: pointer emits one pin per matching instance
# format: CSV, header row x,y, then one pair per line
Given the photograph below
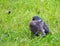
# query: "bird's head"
x,y
36,18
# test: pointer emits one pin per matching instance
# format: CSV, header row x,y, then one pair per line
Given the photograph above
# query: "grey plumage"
x,y
38,27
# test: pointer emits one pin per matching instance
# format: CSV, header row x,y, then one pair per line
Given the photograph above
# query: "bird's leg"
x,y
43,32
32,35
42,29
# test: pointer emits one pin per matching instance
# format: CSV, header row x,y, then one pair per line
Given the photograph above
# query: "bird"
x,y
38,27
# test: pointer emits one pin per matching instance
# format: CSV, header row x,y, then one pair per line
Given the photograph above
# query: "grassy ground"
x,y
14,26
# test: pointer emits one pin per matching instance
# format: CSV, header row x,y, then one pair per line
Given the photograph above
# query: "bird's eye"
x,y
33,19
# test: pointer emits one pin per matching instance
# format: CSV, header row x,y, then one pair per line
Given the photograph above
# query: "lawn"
x,y
15,16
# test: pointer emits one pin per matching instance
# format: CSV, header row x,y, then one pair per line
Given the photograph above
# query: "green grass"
x,y
14,27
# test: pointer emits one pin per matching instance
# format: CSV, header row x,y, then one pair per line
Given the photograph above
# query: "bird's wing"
x,y
46,28
33,26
